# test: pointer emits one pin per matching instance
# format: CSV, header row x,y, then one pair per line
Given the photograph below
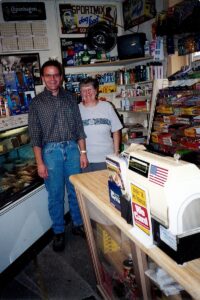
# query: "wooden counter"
x,y
93,186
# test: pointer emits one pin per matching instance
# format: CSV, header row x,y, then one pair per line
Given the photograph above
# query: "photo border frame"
x,y
29,60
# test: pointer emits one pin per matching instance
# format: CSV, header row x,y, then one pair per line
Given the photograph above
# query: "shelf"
x,y
139,82
14,149
124,62
165,283
136,98
12,122
134,128
132,111
140,140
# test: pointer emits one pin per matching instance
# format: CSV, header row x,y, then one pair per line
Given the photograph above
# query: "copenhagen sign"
x,y
23,11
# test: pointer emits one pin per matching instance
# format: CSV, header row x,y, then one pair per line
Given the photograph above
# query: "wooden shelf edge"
x,y
132,111
113,63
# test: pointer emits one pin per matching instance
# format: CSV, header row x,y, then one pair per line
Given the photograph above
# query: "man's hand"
x,y
42,171
83,160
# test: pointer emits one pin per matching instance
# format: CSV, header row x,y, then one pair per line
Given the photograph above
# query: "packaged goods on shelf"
x,y
165,282
105,241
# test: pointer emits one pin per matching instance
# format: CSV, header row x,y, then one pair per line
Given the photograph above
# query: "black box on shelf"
x,y
131,45
126,212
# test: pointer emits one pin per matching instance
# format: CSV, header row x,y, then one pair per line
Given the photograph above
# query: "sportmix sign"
x,y
23,11
76,18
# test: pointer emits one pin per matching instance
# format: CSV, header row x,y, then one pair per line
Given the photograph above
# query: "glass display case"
x,y
18,171
115,257
24,217
118,273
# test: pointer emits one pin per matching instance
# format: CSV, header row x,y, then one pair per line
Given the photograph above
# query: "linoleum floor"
x,y
56,276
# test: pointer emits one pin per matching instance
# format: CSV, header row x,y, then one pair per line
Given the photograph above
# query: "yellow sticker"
x,y
139,195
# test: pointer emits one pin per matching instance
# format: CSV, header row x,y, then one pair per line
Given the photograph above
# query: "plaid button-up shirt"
x,y
54,118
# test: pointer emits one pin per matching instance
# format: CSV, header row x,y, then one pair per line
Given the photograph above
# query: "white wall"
x,y
54,47
54,25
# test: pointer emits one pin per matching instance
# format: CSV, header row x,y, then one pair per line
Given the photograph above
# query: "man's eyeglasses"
x,y
52,75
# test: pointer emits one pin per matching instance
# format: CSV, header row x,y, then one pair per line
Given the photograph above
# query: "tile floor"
x,y
56,276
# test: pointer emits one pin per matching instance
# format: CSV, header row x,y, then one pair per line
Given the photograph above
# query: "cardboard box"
x,y
105,241
114,194
136,12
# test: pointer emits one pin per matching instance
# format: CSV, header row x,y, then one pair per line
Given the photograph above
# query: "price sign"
x,y
139,208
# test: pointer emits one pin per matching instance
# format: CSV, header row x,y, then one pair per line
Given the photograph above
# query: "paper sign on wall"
x,y
75,19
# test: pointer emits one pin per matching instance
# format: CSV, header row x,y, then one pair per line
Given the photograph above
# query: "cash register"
x,y
165,195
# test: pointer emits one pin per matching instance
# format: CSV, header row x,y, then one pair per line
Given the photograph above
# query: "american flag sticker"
x,y
158,175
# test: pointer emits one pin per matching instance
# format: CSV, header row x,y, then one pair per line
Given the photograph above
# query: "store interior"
x,y
145,55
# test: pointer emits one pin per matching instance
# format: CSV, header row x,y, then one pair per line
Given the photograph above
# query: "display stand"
x,y
110,241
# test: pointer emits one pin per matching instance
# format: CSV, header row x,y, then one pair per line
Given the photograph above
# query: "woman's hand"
x,y
116,141
117,153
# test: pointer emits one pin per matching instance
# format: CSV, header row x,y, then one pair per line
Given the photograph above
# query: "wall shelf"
x,y
136,98
113,63
138,83
132,111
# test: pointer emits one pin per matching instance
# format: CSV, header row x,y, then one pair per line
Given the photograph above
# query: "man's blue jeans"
x,y
61,160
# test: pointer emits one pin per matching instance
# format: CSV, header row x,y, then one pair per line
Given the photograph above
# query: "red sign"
x,y
141,219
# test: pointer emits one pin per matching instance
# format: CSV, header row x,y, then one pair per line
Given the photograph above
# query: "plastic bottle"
x,y
28,101
127,104
86,56
2,107
132,76
7,109
76,59
147,72
126,77
147,48
79,59
123,103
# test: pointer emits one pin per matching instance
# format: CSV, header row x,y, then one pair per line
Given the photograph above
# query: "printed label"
x,y
168,238
139,209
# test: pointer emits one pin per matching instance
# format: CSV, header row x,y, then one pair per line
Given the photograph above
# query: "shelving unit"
x,y
175,124
98,68
136,119
136,114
